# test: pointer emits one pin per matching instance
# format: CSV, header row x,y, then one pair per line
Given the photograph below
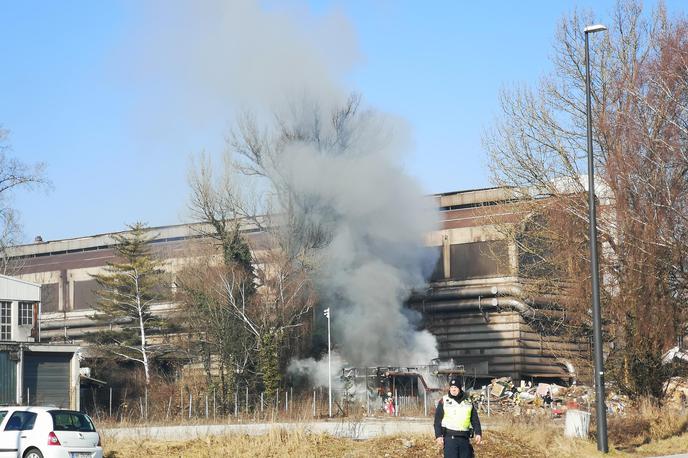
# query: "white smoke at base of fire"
x,y
317,371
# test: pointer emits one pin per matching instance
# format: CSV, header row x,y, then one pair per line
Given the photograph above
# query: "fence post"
x,y
488,399
206,406
190,401
247,398
214,405
181,402
110,409
286,400
396,403
425,402
277,400
236,403
313,403
261,401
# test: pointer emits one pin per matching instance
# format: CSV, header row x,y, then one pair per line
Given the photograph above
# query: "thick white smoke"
x,y
317,371
375,217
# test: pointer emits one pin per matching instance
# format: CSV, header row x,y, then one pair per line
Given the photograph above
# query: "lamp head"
x,y
594,28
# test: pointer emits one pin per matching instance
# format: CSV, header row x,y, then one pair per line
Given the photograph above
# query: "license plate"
x,y
81,455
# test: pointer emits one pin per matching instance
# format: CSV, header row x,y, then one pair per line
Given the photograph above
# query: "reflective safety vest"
x,y
457,415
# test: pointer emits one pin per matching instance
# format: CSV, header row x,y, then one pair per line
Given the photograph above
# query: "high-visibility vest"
x,y
457,415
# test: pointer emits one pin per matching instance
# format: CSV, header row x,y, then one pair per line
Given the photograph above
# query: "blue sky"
x,y
117,140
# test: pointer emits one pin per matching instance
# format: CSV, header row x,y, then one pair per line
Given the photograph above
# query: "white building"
x,y
32,373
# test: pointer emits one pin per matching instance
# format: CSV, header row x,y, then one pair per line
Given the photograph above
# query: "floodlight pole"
x,y
329,362
596,314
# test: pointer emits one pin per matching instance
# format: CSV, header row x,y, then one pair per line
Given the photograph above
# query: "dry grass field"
x,y
281,444
647,432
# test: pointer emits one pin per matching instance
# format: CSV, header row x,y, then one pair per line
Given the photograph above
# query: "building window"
x,y
5,320
26,313
479,260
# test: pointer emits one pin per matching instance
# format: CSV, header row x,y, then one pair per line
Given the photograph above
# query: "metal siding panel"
x,y
85,294
46,378
50,297
8,379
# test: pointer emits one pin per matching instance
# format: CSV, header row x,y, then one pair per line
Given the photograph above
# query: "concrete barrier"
x,y
577,423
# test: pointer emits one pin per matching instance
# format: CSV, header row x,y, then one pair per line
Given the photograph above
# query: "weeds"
x,y
644,430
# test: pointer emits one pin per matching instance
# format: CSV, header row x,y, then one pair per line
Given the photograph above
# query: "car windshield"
x,y
65,420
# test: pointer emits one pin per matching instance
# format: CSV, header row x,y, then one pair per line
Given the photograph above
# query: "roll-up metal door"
x,y
46,378
8,379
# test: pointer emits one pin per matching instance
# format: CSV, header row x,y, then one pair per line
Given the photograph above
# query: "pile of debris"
x,y
525,398
676,392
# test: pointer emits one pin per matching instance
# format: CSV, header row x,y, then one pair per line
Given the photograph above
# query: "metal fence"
x,y
175,403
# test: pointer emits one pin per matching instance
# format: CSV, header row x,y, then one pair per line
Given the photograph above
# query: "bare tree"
x,y
538,148
14,175
247,330
225,345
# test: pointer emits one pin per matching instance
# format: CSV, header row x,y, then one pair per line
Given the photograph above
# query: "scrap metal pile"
x,y
525,398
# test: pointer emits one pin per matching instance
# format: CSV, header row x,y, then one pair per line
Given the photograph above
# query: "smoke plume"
x,y
350,186
208,59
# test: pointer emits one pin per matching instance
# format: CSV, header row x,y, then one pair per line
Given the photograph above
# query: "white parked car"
x,y
47,432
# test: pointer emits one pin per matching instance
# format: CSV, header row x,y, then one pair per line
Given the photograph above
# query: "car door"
x,y
9,440
15,426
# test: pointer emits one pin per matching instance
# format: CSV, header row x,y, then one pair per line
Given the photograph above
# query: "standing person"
x,y
389,404
454,418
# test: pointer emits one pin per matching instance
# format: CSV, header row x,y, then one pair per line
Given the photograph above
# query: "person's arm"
x,y
475,421
475,424
439,414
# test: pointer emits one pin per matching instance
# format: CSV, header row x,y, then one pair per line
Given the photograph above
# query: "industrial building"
x,y
473,303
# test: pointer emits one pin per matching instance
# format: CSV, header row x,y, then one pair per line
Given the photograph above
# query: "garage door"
x,y
46,378
8,374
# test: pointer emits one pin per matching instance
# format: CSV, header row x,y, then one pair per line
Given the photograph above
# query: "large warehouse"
x,y
473,304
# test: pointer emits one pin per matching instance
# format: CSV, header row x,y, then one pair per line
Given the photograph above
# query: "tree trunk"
x,y
142,331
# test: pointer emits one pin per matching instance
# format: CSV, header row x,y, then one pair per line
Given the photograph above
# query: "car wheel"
x,y
33,453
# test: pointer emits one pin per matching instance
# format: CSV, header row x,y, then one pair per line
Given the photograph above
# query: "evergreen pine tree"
x,y
127,289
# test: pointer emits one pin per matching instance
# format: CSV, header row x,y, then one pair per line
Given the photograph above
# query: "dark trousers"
x,y
457,447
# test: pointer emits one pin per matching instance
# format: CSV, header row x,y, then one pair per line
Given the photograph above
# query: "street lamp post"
x,y
596,315
329,362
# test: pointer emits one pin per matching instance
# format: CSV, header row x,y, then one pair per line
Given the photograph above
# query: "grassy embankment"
x,y
646,432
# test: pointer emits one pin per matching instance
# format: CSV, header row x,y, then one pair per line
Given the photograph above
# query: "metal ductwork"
x,y
453,292
480,303
80,323
490,303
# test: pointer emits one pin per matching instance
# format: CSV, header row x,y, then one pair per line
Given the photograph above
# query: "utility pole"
x,y
329,361
596,313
